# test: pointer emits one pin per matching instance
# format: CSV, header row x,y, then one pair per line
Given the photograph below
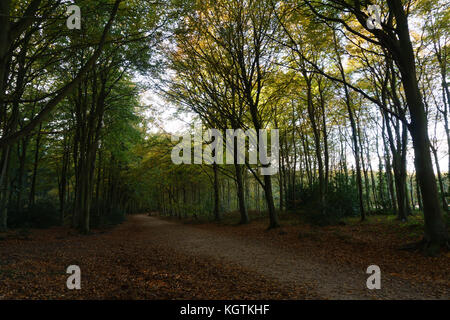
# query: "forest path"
x,y
300,269
152,258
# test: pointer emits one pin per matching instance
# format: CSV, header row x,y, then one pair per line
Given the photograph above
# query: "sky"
x,y
163,114
166,119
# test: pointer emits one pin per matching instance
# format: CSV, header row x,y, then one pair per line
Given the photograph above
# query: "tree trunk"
x,y
273,217
4,190
441,183
35,167
240,194
435,234
216,193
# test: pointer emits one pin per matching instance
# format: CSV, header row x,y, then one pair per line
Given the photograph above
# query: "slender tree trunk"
x,y
440,180
356,153
348,103
240,194
390,180
21,174
63,183
411,189
35,167
4,190
273,217
216,193
419,196
364,170
317,144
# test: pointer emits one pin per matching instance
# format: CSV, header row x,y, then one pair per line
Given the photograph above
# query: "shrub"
x,y
341,201
116,216
43,214
100,218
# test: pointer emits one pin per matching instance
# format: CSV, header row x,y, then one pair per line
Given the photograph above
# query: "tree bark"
x,y
435,234
240,194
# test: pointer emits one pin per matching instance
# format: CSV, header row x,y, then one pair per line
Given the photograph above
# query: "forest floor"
x,y
153,258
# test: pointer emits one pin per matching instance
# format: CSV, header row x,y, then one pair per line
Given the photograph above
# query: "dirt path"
x,y
151,258
284,265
